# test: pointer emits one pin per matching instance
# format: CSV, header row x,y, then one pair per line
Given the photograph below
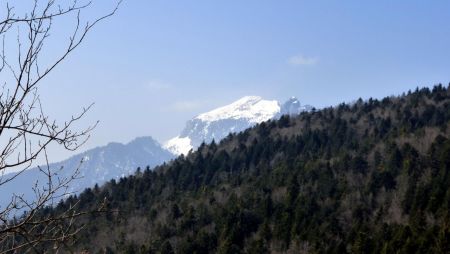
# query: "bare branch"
x,y
26,131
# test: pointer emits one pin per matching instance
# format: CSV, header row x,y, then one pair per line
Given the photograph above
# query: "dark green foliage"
x,y
372,177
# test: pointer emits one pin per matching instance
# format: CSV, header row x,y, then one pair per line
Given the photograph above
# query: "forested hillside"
x,y
370,177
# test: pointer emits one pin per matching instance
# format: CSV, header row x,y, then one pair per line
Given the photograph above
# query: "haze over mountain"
x,y
95,166
233,118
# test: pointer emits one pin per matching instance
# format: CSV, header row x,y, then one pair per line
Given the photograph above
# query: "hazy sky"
x,y
156,64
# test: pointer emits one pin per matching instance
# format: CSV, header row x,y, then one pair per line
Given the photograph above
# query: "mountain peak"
x,y
293,99
235,117
144,140
293,107
248,100
253,108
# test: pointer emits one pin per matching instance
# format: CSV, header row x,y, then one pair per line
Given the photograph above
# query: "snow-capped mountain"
x,y
235,117
98,165
293,107
252,108
116,160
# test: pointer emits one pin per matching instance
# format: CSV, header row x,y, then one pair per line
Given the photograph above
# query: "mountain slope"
x,y
235,117
99,165
117,160
372,177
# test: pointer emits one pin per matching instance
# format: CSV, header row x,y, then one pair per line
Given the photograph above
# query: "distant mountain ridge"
x,y
98,165
235,117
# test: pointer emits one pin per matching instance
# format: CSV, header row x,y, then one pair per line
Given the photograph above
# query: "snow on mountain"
x,y
98,165
252,108
117,160
293,107
179,145
235,117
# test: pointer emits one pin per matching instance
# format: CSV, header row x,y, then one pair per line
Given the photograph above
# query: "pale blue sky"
x,y
156,64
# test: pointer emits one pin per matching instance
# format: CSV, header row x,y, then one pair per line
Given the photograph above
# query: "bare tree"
x,y
26,131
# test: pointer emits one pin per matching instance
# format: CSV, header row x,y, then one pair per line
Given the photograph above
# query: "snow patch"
x,y
179,145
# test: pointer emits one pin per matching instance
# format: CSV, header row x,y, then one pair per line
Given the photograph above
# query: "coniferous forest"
x,y
368,177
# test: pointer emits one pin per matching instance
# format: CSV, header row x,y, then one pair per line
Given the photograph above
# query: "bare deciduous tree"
x,y
26,131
